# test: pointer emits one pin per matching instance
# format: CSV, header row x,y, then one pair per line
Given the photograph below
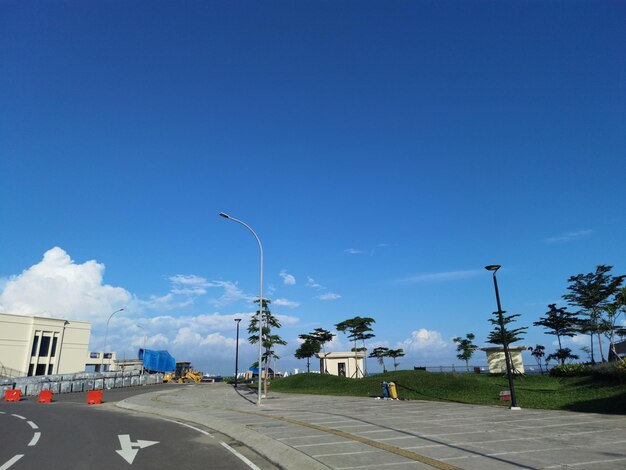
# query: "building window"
x,y
45,346
33,353
94,355
41,369
50,368
30,370
54,346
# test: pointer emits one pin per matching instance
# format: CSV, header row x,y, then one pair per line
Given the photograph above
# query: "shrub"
x,y
610,371
570,370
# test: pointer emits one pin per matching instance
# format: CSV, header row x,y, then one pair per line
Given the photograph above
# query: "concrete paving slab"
x,y
308,432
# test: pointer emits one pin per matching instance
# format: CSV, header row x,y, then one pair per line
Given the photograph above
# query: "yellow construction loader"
x,y
183,373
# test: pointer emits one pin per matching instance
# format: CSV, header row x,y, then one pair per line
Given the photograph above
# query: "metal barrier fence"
x,y
79,382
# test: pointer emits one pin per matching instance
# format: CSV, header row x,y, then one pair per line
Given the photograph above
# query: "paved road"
x,y
321,432
68,433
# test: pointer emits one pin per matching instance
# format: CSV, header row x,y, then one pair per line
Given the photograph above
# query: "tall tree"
x,y
380,354
395,354
357,329
307,350
322,336
269,323
613,311
465,348
560,322
592,292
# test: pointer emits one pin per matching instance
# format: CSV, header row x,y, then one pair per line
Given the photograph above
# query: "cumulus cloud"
x,y
286,303
568,236
288,279
312,283
352,251
59,287
328,296
425,343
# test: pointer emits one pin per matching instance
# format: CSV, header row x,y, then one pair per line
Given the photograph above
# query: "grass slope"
x,y
533,391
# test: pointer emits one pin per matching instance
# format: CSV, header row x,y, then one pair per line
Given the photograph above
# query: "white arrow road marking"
x,y
128,451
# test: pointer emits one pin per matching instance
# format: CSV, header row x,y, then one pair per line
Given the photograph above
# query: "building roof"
x,y
340,355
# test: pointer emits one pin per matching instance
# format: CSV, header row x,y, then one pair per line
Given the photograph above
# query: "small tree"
x,y
502,334
306,351
465,348
380,354
269,322
559,322
538,352
321,336
561,355
357,329
395,353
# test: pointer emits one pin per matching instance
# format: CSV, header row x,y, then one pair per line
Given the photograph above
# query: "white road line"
x,y
578,464
32,425
238,455
344,442
379,465
8,464
18,416
35,439
2,413
190,426
347,453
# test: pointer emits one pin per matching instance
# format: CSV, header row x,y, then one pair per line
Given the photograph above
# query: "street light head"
x,y
226,216
492,267
237,320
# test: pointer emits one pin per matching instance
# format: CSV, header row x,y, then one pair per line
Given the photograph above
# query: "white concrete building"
x,y
343,364
42,346
497,362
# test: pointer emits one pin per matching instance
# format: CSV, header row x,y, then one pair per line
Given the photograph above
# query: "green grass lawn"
x,y
533,391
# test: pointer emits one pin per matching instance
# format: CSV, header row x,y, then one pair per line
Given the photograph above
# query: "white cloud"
x,y
310,282
425,343
288,279
59,287
286,303
189,284
439,277
353,251
328,296
568,236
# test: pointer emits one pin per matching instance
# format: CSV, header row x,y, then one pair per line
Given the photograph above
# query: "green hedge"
x,y
570,370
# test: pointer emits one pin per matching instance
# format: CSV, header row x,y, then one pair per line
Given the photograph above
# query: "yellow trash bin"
x,y
392,390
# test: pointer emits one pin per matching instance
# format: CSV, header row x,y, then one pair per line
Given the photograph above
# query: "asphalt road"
x,y
68,433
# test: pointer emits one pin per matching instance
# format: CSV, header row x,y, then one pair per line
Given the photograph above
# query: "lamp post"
x,y
106,333
145,336
226,216
237,352
505,343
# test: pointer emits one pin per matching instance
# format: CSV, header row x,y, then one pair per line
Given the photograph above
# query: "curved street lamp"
x,y
505,343
145,337
106,333
226,216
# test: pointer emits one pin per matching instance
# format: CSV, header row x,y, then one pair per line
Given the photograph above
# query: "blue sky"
x,y
384,152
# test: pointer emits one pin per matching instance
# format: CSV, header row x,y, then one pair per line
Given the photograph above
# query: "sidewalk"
x,y
319,432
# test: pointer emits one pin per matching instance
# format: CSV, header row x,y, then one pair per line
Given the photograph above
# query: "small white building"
x,y
344,364
42,346
497,361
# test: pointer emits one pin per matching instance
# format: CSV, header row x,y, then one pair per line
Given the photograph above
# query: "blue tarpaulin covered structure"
x,y
157,361
255,370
